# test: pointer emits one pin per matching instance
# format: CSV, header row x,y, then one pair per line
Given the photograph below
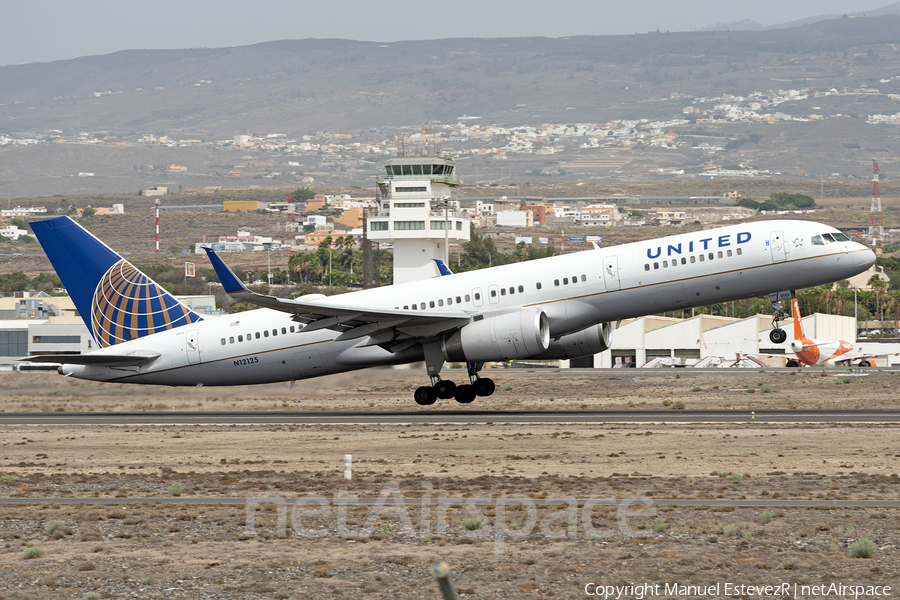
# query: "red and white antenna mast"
x,y
876,222
157,224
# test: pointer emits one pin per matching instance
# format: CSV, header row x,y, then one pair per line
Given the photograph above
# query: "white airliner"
x,y
553,308
823,353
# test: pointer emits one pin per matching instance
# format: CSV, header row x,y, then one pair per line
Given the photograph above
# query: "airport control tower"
x,y
419,212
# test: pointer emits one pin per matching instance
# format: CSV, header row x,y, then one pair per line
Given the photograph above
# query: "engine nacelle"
x,y
586,342
508,336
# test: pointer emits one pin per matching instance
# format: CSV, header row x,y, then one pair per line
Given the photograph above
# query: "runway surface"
x,y
636,502
453,416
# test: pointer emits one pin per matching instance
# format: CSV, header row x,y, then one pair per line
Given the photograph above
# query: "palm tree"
x,y
879,287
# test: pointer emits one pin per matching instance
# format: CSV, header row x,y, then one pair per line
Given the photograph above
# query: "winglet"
x,y
229,280
442,267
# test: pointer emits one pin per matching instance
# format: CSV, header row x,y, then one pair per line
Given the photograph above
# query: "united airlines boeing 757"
x,y
553,308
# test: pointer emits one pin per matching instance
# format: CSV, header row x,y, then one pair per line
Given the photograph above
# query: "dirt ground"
x,y
331,550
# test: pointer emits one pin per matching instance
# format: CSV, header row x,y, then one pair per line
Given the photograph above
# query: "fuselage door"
x,y
778,247
611,273
192,346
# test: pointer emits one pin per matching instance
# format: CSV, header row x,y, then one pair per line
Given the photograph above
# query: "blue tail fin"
x,y
116,301
443,269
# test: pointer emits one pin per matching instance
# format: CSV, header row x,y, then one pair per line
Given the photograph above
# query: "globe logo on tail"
x,y
127,305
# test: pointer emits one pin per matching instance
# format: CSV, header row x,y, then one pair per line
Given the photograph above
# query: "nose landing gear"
x,y
778,335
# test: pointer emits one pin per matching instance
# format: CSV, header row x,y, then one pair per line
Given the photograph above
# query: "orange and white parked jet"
x,y
822,353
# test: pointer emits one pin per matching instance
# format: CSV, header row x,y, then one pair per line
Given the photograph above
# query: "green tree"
x,y
303,194
88,213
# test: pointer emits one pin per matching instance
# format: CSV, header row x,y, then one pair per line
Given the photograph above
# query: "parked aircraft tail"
x,y
116,301
795,312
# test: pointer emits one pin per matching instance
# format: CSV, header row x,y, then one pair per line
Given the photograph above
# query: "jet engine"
x,y
582,343
518,334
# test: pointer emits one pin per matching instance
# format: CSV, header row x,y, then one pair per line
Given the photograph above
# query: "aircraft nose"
x,y
865,258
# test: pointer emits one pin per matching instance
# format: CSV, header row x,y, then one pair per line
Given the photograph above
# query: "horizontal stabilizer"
x,y
97,360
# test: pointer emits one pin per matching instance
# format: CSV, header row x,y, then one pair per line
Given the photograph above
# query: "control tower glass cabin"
x,y
419,213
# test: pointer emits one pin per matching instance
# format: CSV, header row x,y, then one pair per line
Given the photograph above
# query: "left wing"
x,y
382,325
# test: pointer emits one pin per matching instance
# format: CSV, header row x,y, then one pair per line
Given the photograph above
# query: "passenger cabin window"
x,y
729,253
231,340
440,302
556,282
584,278
565,281
240,338
449,301
422,305
702,258
665,264
493,293
431,304
502,291
683,260
477,296
720,254
521,289
538,285
266,333
292,329
459,300
647,267
655,265
223,341
274,332
257,335
740,251
512,291
693,260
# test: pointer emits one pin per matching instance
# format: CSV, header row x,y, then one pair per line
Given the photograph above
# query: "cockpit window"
x,y
817,241
827,237
840,237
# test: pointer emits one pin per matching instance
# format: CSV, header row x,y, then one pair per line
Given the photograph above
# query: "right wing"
x,y
392,328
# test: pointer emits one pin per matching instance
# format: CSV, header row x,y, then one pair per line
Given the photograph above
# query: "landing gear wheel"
x,y
778,336
484,386
864,363
465,393
445,389
425,395
792,363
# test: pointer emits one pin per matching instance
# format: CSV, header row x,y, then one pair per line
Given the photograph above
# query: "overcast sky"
x,y
60,29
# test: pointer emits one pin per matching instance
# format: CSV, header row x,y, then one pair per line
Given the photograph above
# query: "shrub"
x,y
660,525
667,403
750,390
472,524
34,552
92,596
679,404
730,530
765,517
53,525
765,389
697,389
862,548
176,489
737,478
149,580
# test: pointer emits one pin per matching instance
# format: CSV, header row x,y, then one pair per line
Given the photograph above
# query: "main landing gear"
x,y
446,389
778,335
